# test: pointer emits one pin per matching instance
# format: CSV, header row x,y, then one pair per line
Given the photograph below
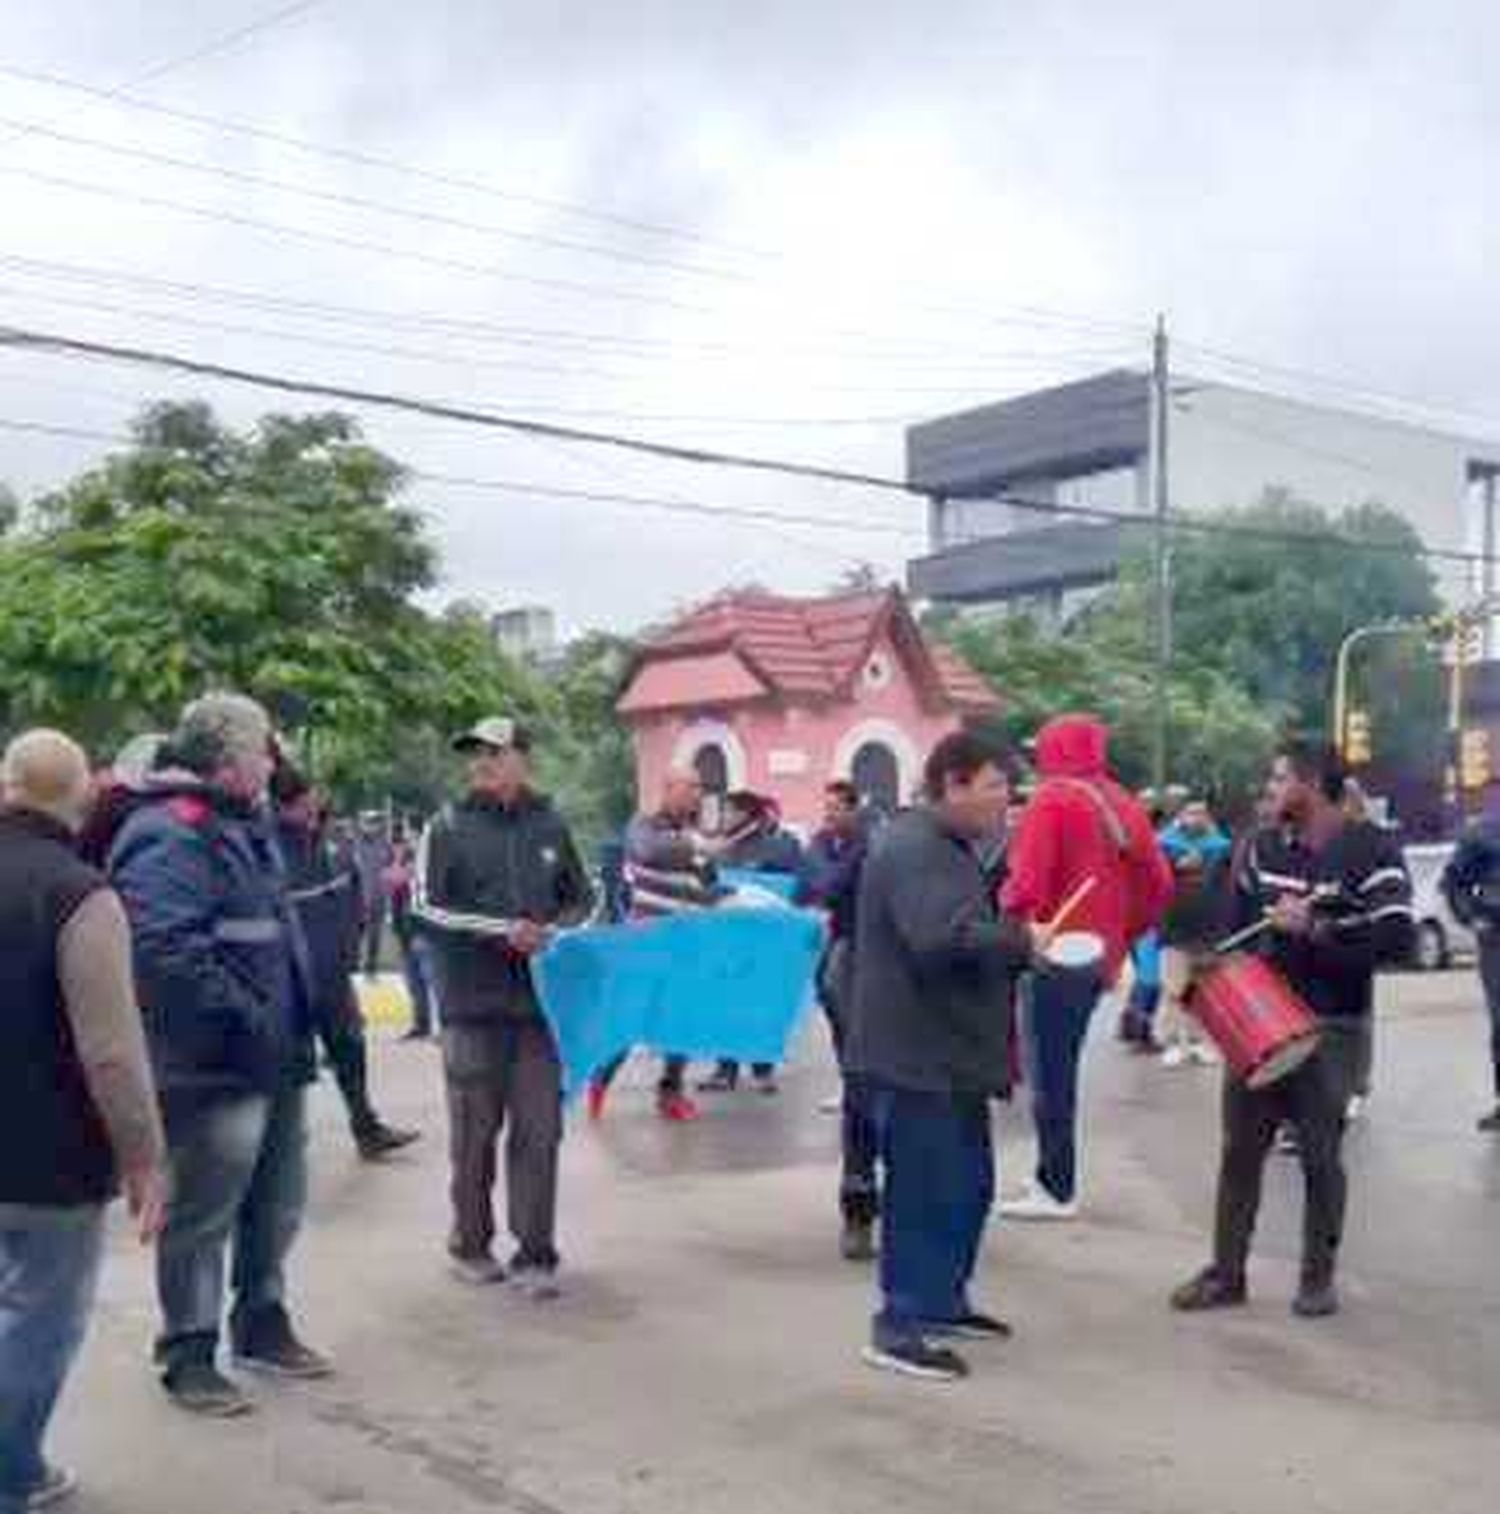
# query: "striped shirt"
x,y
666,869
1360,893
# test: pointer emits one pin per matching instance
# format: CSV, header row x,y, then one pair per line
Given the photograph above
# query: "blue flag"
x,y
722,983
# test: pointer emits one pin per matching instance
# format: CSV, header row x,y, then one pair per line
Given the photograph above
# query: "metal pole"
x,y
1487,567
1160,499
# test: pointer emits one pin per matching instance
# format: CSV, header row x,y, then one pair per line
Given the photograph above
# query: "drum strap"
x,y
1113,825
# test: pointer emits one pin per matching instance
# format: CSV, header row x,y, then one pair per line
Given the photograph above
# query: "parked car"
x,y
1441,939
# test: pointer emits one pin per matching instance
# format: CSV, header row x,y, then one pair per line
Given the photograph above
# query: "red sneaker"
x,y
598,1092
676,1108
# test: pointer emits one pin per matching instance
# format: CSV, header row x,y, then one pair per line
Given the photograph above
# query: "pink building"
x,y
783,695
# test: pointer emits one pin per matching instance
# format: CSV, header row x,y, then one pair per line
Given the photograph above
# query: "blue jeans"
x,y
416,965
1059,1006
239,1172
47,1275
939,1186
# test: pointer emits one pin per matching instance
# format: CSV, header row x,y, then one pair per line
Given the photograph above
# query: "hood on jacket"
x,y
1073,746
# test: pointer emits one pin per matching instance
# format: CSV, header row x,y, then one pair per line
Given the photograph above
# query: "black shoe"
x,y
200,1388
1209,1290
1490,1124
1316,1301
766,1085
935,1364
414,1034
857,1243
380,1140
971,1326
269,1344
719,1082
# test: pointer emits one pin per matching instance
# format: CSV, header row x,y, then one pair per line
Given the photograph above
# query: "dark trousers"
x,y
1311,1100
673,1073
239,1174
416,967
341,1029
504,1077
939,1188
1489,976
1059,1006
374,938
859,1182
728,1069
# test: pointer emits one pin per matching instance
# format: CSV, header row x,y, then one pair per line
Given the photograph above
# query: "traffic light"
x,y
1474,758
1357,750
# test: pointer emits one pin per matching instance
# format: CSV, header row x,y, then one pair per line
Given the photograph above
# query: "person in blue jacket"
x,y
221,969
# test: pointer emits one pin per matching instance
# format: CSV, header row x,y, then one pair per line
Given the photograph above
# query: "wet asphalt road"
x,y
705,1358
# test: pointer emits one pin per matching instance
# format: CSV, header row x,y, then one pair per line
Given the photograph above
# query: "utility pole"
x,y
1161,404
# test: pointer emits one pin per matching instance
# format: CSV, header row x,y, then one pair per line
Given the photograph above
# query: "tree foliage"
x,y
279,562
1257,622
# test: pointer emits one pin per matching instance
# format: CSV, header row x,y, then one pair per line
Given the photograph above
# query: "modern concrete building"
x,y
528,632
987,471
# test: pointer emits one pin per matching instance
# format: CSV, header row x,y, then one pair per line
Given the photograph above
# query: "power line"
x,y
1406,409
1016,315
469,360
365,202
473,328
676,452
198,54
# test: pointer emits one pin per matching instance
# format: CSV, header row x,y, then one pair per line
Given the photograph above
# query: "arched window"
x,y
711,763
876,773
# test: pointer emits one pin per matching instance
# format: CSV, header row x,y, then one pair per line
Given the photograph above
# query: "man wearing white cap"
x,y
496,873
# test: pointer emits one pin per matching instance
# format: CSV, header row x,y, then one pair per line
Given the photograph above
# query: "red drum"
x,y
1263,1028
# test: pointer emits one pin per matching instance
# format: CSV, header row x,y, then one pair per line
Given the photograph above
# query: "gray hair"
x,y
219,730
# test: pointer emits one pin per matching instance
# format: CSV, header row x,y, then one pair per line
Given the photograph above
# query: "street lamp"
x,y
1341,669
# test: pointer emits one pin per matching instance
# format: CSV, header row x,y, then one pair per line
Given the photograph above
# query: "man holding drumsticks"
x,y
1335,900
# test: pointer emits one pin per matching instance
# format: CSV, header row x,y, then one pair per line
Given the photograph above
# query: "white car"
x,y
1441,938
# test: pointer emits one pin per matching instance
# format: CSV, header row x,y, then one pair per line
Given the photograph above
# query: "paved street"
x,y
706,1358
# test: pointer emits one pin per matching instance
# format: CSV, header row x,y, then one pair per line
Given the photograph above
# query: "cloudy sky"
x,y
782,227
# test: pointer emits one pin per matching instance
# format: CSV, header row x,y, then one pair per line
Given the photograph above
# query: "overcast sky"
x,y
884,212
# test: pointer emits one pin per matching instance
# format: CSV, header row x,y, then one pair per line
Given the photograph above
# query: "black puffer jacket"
x,y
482,865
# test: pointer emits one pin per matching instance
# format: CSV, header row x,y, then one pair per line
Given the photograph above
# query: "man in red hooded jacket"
x,y
1080,825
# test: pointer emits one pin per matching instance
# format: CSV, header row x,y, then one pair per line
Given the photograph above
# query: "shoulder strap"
x,y
1102,807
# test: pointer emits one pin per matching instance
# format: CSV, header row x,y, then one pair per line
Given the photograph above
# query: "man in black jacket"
x,y
1471,885
496,874
325,898
934,980
1338,901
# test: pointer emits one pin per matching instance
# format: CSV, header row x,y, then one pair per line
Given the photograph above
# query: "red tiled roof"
x,y
676,683
807,648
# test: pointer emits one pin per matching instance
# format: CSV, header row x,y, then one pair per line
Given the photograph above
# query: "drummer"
x,y
1337,899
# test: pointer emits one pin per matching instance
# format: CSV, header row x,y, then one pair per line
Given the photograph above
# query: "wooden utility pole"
x,y
1161,404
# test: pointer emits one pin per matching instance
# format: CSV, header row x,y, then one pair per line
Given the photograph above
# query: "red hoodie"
x,y
1082,824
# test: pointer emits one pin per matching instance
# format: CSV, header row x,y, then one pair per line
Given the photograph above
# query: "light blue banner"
x,y
727,983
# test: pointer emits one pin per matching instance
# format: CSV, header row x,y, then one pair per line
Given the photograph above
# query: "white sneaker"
x,y
1203,1054
1355,1110
1038,1204
1174,1056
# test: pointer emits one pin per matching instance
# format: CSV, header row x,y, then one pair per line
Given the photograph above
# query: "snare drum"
x,y
1074,951
1255,1018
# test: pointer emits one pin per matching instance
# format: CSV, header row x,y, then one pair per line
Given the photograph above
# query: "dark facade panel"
x,y
1101,422
1021,562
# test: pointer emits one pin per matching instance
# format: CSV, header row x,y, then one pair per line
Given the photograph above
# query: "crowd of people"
x,y
178,943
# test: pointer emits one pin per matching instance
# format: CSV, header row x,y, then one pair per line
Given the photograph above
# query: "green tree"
x,y
280,562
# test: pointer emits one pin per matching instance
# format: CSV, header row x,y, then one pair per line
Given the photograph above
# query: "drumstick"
x,y
1068,908
1240,937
